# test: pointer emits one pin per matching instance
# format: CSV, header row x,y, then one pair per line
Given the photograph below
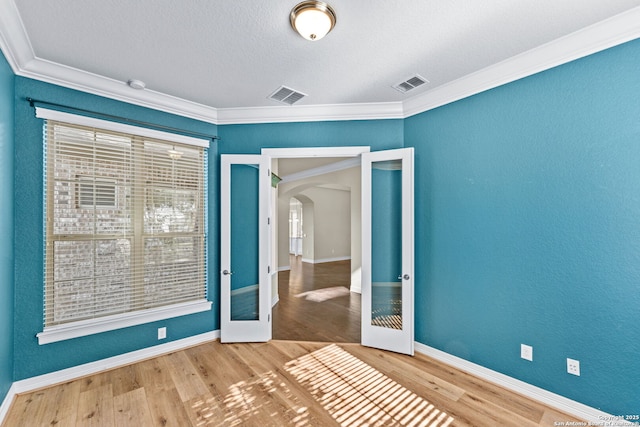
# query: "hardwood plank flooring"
x,y
313,374
315,303
280,383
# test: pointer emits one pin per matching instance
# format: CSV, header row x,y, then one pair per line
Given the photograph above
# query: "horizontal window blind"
x,y
125,223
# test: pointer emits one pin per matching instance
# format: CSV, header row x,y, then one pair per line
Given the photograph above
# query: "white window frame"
x,y
107,323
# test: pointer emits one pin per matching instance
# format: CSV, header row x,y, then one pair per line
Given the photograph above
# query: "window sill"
x,y
118,321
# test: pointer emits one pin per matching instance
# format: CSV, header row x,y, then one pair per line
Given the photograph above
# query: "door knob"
x,y
227,272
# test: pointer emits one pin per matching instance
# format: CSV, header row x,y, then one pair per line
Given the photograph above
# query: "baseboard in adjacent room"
x,y
323,260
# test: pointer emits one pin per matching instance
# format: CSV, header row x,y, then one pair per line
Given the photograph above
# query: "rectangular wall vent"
x,y
286,95
410,84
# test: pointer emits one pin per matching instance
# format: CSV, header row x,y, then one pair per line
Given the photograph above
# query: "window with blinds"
x,y
125,225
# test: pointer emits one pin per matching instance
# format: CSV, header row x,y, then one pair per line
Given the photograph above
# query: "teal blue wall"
x,y
30,358
6,226
249,139
528,228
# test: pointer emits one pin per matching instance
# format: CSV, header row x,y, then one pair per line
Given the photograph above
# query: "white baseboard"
x,y
6,403
275,300
571,407
91,368
321,260
284,268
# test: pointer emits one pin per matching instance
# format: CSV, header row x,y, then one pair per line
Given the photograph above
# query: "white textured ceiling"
x,y
227,54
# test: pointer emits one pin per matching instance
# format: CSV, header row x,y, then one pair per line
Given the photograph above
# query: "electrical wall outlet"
x,y
526,352
162,333
573,367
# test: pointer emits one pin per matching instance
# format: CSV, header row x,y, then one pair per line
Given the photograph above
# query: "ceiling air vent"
x,y
286,95
410,84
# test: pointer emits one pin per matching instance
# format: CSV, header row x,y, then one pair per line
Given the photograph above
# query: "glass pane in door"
x,y
245,242
386,244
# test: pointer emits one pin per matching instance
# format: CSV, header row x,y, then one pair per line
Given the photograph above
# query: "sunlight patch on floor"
x,y
250,402
355,394
324,294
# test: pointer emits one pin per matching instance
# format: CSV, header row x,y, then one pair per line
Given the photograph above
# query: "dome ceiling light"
x,y
312,19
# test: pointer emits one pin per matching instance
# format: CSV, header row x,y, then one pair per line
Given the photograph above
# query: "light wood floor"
x,y
282,383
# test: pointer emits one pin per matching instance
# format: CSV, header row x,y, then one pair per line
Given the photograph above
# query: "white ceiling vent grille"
x,y
286,95
410,84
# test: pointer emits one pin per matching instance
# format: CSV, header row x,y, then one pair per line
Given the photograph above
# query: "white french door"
x,y
387,247
245,308
388,250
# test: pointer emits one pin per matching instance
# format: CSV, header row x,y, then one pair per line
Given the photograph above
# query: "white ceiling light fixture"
x,y
312,19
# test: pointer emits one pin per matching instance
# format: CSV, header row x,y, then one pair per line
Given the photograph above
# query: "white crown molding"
x,y
14,41
18,51
84,81
577,409
595,38
310,113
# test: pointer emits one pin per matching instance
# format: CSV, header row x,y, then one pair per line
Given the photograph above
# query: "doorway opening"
x,y
317,239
